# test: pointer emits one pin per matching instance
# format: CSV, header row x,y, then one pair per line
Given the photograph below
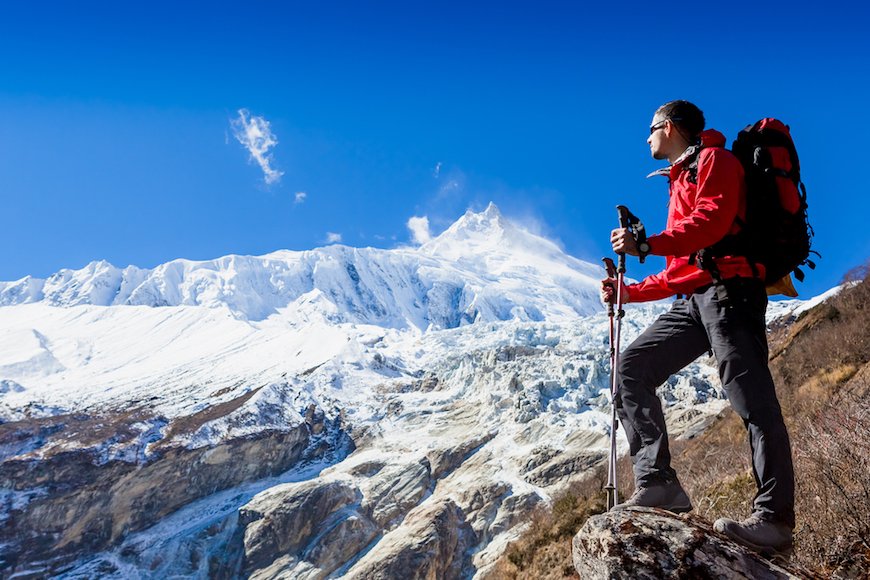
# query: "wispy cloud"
x,y
419,227
255,134
437,171
299,197
333,238
453,186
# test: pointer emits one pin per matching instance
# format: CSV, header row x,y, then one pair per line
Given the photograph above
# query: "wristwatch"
x,y
643,249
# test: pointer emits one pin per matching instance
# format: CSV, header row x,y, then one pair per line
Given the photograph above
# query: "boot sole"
x,y
679,509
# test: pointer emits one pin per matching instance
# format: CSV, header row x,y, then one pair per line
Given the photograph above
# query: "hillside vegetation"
x,y
820,364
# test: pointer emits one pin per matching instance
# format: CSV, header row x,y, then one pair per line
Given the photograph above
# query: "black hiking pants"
x,y
729,319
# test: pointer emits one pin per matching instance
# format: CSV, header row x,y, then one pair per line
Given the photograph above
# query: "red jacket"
x,y
699,214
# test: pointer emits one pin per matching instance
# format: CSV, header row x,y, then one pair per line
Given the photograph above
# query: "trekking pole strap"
x,y
633,224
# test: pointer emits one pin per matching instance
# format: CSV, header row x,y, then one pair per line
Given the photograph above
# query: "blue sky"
x,y
118,137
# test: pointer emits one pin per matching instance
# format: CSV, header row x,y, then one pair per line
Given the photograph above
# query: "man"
x,y
723,311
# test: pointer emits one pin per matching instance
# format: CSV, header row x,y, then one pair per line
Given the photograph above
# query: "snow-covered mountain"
x,y
338,412
483,268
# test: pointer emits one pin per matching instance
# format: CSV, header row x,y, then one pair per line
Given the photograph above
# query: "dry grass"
x,y
812,361
544,552
833,487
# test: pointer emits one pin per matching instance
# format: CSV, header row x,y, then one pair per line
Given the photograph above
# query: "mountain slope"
x,y
436,393
483,268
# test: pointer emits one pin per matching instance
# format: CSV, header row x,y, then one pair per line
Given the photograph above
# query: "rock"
x,y
445,460
481,504
342,543
91,506
432,542
649,543
513,510
285,519
396,489
562,467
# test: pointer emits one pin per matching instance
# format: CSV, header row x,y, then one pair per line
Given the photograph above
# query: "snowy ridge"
x,y
483,268
471,372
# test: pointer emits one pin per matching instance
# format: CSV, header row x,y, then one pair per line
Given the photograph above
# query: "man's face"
x,y
659,138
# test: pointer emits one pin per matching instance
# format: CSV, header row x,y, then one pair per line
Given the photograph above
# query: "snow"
x,y
482,268
100,337
485,332
342,322
792,309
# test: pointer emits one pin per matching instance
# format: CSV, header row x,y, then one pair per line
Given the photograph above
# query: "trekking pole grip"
x,y
625,223
610,268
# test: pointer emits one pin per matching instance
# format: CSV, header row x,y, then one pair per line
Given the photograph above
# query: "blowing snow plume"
x,y
255,134
419,228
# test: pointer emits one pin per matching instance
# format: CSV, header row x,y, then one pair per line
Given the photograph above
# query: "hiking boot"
x,y
766,537
668,495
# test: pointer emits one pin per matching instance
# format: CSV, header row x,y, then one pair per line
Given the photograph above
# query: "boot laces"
x,y
753,522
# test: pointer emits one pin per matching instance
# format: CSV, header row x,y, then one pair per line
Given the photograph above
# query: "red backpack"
x,y
776,232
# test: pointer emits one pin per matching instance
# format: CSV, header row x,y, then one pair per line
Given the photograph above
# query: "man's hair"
x,y
688,118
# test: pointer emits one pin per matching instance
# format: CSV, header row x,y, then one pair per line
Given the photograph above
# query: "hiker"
x,y
719,309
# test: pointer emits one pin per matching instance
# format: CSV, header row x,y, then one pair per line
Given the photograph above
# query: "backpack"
x,y
776,232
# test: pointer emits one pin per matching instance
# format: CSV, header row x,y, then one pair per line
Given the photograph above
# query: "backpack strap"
x,y
692,168
730,244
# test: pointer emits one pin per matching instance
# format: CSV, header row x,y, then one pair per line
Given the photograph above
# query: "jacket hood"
x,y
712,138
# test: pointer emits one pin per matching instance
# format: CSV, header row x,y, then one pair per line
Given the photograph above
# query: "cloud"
x,y
255,134
453,186
419,227
333,238
299,197
437,171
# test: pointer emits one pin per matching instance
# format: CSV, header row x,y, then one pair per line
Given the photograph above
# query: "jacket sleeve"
x,y
653,287
720,181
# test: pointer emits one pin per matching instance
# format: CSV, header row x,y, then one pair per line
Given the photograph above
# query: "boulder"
x,y
649,543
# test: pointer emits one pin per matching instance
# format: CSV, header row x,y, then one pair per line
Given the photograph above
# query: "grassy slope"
x,y
820,364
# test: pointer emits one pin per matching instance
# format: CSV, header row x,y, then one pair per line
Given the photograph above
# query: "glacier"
x,y
441,391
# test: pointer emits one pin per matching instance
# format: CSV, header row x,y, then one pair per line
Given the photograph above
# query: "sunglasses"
x,y
661,124
657,126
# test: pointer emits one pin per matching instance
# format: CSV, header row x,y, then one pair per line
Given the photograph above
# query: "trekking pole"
x,y
611,487
630,222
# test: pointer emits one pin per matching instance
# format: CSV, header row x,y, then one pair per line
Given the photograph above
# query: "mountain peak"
x,y
486,227
480,268
489,220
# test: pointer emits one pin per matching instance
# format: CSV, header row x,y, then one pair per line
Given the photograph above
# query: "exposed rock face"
x,y
446,460
279,525
85,506
645,543
311,530
432,542
340,412
395,490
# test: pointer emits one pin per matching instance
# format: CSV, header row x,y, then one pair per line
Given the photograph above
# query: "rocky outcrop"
x,y
432,542
83,506
444,460
648,543
311,529
395,490
314,521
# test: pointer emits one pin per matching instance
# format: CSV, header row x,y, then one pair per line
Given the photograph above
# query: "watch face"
x,y
643,247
